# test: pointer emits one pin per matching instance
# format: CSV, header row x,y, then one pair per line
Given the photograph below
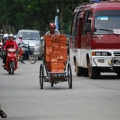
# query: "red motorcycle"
x,y
11,61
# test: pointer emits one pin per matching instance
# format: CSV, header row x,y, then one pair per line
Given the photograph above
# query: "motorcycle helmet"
x,y
52,25
20,36
11,36
5,36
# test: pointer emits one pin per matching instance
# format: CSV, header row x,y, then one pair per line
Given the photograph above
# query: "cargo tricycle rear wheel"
x,y
69,75
41,76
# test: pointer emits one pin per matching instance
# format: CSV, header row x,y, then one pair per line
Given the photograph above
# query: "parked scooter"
x,y
11,61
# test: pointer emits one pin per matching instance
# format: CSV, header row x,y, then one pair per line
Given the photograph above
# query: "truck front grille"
x,y
116,53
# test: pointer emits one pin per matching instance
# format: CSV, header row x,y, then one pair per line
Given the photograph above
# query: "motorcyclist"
x,y
20,39
21,45
10,43
52,30
1,38
5,38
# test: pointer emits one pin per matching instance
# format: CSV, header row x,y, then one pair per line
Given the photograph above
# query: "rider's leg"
x,y
2,113
4,60
22,57
26,55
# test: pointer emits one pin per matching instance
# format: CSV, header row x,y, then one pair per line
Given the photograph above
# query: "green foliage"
x,y
35,14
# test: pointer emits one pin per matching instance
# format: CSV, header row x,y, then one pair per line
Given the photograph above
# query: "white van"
x,y
32,37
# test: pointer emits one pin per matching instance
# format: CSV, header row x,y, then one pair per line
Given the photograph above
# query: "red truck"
x,y
95,38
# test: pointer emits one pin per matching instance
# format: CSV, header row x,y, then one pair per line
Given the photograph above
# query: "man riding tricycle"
x,y
55,59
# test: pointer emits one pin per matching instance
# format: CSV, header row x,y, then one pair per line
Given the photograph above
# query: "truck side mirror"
x,y
88,27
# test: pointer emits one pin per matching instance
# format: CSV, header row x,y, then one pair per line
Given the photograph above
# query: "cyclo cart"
x,y
55,61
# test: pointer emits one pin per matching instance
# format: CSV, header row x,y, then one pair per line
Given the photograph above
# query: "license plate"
x,y
117,62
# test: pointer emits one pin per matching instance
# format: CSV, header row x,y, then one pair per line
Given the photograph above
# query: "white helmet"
x,y
11,35
20,36
1,35
5,35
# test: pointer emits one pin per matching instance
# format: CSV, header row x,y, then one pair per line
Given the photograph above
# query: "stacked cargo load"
x,y
55,50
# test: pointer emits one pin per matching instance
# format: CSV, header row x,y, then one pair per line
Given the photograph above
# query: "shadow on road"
x,y
108,77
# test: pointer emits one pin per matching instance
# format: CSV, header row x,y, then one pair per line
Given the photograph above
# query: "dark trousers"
x,y
4,59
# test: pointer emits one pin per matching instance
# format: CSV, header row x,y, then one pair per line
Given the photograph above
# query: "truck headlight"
x,y
97,53
101,54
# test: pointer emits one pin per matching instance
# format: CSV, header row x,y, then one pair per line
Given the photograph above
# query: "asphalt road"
x,y
22,99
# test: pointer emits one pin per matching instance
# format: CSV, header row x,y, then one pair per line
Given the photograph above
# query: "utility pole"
x,y
57,20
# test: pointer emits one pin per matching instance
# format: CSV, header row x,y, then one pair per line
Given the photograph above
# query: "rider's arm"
x,y
16,45
5,46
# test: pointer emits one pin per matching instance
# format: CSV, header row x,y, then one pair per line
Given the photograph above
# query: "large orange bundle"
x,y
55,52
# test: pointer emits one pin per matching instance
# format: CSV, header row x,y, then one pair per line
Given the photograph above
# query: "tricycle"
x,y
55,63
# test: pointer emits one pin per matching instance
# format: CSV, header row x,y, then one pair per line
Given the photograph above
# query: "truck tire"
x,y
85,72
118,74
79,70
93,72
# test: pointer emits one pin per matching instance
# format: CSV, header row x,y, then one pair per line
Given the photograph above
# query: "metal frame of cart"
x,y
55,77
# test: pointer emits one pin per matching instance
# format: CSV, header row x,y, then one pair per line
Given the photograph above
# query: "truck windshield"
x,y
107,22
30,35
